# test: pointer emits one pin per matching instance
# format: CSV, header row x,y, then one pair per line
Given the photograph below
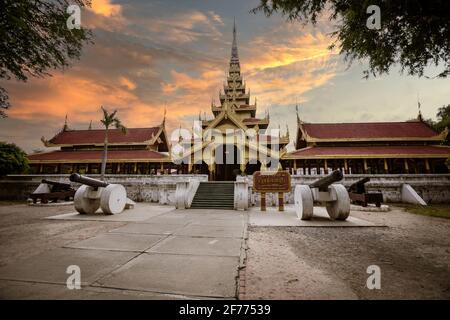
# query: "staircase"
x,y
214,195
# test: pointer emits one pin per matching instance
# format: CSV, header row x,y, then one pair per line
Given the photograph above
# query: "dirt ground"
x,y
23,232
413,253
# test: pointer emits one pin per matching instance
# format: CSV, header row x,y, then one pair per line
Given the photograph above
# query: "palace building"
x,y
368,147
223,156
139,151
372,148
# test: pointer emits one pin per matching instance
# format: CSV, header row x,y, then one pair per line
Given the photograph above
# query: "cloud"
x,y
151,56
127,83
178,27
106,8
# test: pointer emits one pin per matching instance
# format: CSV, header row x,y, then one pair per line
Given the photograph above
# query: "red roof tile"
x,y
76,137
323,152
96,155
369,130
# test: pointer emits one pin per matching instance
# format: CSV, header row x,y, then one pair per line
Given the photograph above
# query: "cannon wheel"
x,y
113,199
85,205
339,209
304,203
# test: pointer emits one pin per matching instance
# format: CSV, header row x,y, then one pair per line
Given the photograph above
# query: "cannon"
x,y
52,191
335,197
94,194
359,195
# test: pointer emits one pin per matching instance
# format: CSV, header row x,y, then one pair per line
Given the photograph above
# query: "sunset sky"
x,y
151,55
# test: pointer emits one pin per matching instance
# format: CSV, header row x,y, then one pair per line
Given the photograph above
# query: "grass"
x,y
431,210
12,202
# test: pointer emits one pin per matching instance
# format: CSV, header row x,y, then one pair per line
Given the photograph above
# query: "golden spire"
x,y
234,49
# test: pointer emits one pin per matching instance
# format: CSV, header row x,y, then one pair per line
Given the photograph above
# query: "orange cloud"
x,y
105,8
279,70
127,83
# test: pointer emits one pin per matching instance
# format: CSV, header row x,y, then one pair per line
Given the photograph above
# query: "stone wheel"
x,y
304,203
113,199
339,209
85,205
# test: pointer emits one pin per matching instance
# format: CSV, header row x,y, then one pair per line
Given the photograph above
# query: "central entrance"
x,y
227,158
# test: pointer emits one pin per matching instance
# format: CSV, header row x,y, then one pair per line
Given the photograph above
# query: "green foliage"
x,y
108,120
34,38
12,159
443,116
432,210
413,34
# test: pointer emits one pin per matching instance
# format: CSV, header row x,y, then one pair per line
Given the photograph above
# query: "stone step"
x,y
211,206
214,200
215,195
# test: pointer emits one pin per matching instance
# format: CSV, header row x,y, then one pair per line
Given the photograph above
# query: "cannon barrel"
x,y
324,182
54,183
76,177
359,185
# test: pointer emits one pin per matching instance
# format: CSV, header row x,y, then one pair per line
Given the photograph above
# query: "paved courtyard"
x,y
154,252
157,252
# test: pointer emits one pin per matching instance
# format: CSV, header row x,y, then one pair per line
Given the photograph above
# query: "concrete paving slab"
x,y
288,218
51,266
199,246
211,231
16,290
141,212
217,214
164,219
219,222
148,228
207,276
118,242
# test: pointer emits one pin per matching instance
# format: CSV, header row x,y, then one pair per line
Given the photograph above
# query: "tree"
x,y
12,159
413,33
34,38
443,116
109,119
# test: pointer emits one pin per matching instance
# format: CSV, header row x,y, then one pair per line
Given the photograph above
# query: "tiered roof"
x,y
137,144
97,137
408,139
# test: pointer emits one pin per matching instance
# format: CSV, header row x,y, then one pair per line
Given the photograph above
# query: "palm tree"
x,y
108,120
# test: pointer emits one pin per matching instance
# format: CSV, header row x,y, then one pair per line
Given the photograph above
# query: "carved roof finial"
x,y
419,116
66,126
164,117
297,112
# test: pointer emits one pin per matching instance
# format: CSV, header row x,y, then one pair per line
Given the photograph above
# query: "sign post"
x,y
269,182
